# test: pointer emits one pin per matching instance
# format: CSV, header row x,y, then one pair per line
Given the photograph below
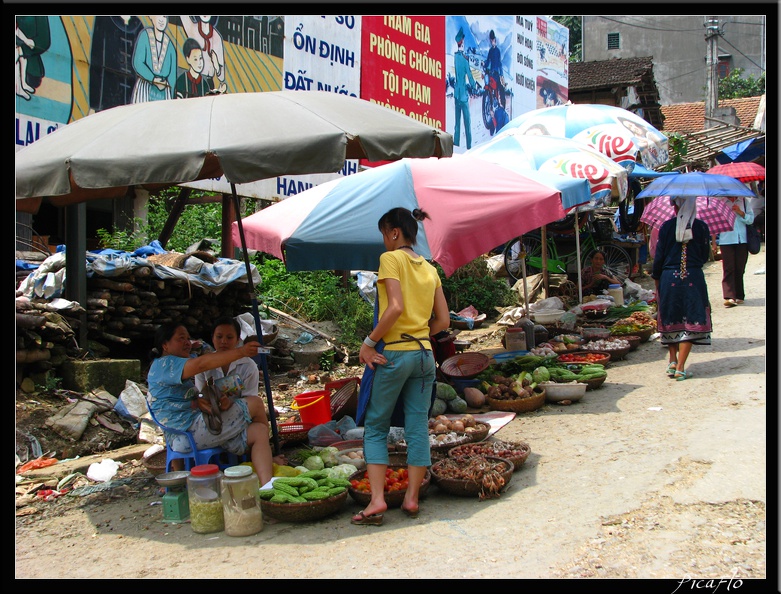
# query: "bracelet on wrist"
x,y
369,342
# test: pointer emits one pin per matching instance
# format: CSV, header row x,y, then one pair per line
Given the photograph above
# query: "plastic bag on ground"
x,y
103,471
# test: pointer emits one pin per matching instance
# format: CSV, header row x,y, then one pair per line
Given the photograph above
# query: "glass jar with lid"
x,y
240,501
203,490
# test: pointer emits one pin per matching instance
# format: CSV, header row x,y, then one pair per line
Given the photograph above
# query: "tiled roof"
x,y
603,73
616,76
690,117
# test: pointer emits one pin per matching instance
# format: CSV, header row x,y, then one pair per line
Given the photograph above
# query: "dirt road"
x,y
645,477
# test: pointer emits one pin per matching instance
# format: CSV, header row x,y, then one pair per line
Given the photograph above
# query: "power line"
x,y
741,53
622,22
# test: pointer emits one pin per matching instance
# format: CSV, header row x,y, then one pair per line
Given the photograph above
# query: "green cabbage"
x,y
314,463
541,374
329,456
344,471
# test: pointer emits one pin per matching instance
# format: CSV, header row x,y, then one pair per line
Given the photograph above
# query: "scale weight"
x,y
176,502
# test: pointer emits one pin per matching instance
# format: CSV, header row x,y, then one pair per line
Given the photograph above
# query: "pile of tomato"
x,y
395,480
582,358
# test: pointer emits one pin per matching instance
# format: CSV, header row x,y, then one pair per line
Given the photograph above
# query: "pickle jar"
x,y
203,490
240,501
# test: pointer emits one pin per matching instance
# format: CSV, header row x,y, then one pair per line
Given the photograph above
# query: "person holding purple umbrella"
x,y
683,307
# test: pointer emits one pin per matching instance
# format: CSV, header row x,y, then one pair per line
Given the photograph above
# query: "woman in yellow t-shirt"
x,y
412,307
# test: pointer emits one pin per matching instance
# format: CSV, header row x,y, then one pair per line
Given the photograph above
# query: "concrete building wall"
x,y
678,46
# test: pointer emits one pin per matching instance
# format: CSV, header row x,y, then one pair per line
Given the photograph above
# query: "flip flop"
x,y
730,303
682,375
671,369
410,513
372,520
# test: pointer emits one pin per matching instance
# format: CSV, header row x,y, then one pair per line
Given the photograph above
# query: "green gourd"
x,y
457,405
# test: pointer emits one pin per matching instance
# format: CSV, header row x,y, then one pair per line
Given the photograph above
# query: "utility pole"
x,y
712,69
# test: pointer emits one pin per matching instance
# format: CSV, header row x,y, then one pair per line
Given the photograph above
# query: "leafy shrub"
x,y
475,284
317,295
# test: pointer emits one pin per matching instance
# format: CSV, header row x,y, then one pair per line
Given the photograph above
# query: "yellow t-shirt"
x,y
419,280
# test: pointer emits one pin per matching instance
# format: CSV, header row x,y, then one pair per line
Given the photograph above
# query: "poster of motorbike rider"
x,y
486,43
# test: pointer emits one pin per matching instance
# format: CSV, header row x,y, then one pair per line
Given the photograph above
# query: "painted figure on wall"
x,y
192,82
111,74
154,60
201,28
465,82
33,38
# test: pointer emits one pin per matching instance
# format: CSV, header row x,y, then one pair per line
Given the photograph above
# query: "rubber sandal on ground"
x,y
682,375
730,303
372,520
738,301
410,513
671,369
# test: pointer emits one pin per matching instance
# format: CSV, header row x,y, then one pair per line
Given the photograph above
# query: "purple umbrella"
x,y
717,213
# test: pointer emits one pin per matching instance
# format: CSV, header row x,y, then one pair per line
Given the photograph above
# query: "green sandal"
x,y
682,375
671,368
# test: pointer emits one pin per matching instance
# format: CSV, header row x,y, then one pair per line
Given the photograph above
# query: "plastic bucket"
x,y
314,407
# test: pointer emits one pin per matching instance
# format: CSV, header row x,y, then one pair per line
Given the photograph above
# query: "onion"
x,y
457,426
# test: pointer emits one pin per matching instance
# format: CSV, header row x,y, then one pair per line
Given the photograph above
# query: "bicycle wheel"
x,y
617,260
512,256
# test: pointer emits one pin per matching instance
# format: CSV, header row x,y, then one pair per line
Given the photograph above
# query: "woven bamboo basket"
x,y
480,433
634,341
593,384
518,405
643,334
515,452
465,365
615,354
604,360
304,512
156,462
469,488
392,498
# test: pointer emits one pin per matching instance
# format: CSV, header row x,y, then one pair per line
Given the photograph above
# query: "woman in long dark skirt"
x,y
684,313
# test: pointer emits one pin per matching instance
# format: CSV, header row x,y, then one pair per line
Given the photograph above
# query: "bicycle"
x,y
617,260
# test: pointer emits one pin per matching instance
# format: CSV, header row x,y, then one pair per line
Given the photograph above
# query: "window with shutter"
x,y
613,41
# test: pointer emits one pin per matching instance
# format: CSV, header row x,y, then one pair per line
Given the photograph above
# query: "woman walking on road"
x,y
684,314
734,253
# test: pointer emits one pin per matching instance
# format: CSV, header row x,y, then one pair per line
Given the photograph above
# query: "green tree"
x,y
575,26
196,222
734,86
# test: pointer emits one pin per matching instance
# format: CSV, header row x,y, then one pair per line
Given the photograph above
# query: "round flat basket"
x,y
480,432
634,341
465,365
519,404
593,384
468,487
515,452
392,498
644,335
304,512
615,354
155,463
578,357
461,438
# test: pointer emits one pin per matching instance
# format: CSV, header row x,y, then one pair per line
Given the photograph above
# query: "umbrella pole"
x,y
545,280
260,357
523,273
577,250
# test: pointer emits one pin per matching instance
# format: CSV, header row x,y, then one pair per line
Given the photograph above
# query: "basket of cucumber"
x,y
593,374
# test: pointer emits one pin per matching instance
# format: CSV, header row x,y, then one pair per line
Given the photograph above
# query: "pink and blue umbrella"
x,y
560,156
474,206
615,132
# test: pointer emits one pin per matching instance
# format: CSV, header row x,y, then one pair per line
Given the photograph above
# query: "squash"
x,y
457,405
438,407
474,397
446,392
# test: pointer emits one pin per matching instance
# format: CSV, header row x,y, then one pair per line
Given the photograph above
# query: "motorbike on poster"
x,y
495,92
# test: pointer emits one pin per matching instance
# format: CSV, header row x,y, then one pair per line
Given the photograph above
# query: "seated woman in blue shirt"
x,y
172,393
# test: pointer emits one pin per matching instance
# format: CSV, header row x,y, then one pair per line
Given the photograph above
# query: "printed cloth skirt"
x,y
684,309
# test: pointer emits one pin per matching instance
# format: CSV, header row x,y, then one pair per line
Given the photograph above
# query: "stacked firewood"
x,y
123,310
